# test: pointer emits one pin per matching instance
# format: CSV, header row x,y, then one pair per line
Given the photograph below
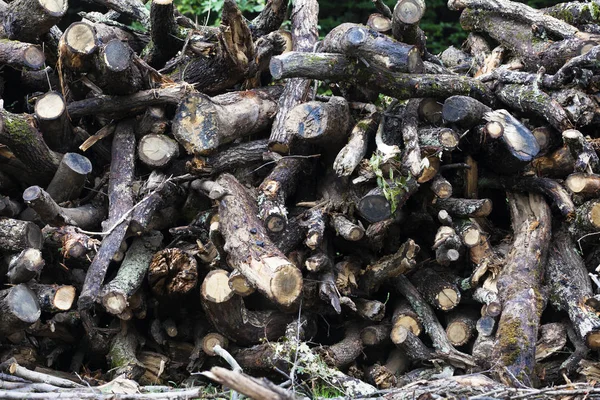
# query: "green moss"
x,y
510,341
18,129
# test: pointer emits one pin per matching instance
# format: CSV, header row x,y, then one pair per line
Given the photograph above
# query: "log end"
x,y
81,38
34,57
64,298
211,340
405,322
592,340
286,284
447,299
50,106
114,303
55,8
458,333
215,287
23,304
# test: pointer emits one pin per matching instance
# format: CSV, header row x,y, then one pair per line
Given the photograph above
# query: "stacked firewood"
x,y
352,213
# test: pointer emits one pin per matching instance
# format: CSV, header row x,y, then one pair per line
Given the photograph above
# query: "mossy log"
x,y
122,355
338,68
250,249
519,287
115,294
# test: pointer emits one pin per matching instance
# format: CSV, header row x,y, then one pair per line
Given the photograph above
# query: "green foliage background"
x,y
440,24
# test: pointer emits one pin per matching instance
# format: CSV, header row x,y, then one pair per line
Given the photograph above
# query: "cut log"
x,y
460,327
27,20
20,309
405,317
17,235
584,184
412,345
25,266
375,334
251,251
582,152
379,50
116,294
437,288
53,298
51,114
20,55
230,317
203,123
157,150
167,37
28,145
70,177
276,188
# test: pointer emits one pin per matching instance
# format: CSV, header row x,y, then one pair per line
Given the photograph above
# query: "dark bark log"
x,y
230,317
447,246
25,266
405,317
570,287
26,20
20,309
51,115
172,272
337,67
77,47
27,144
345,351
441,188
9,208
269,19
153,122
370,310
405,23
16,235
444,348
381,376
529,99
70,177
120,106
411,156
216,58
131,8
375,334
412,345
224,118
377,49
87,216
158,193
230,159
460,326
20,55
251,251
346,229
325,124
304,37
519,286
437,287
389,267
120,197
52,297
116,294
276,188
509,144
464,208
438,139
167,37
464,111
266,47
586,159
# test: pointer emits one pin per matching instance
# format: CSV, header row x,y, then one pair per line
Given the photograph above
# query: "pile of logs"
x,y
340,216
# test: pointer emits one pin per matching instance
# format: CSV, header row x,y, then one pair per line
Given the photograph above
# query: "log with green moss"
x,y
520,290
340,68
